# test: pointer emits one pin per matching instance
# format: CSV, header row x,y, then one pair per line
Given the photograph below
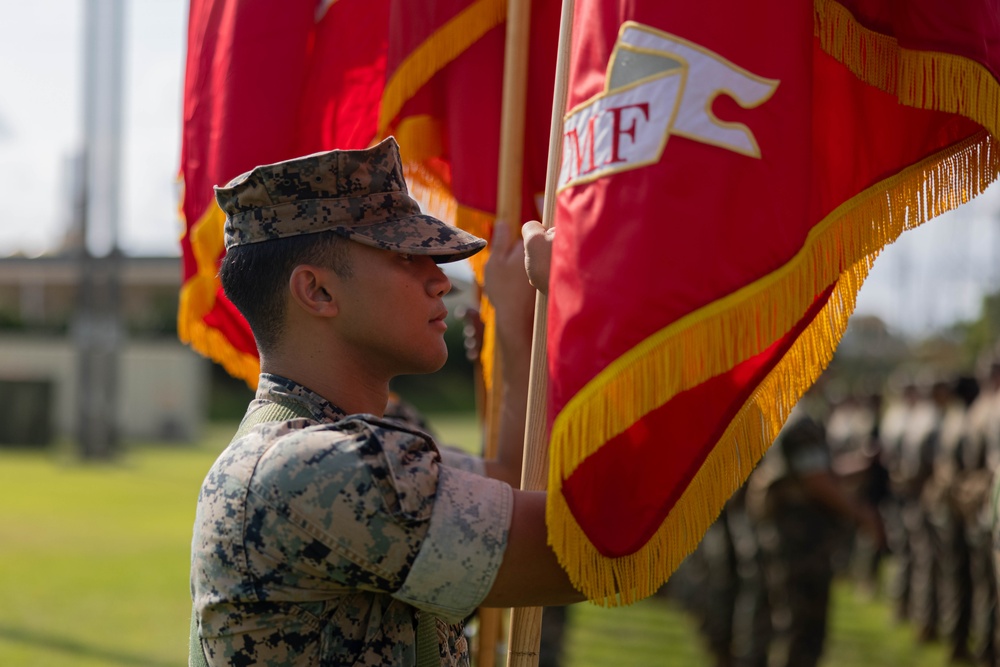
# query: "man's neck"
x,y
340,383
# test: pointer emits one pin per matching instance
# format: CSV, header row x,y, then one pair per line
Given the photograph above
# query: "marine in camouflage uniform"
x,y
727,591
852,435
976,498
797,504
919,447
335,536
949,540
717,597
902,497
364,515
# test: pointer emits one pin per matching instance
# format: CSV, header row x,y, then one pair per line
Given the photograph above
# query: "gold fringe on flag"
x,y
700,346
921,79
419,139
197,298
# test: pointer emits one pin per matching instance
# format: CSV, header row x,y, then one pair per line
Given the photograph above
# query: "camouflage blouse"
x,y
320,541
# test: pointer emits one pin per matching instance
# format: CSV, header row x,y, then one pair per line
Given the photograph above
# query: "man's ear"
x,y
313,289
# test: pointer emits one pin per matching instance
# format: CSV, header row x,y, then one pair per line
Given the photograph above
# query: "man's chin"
x,y
427,366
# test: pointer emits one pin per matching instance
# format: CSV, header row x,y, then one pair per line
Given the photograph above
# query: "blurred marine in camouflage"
x,y
797,503
327,533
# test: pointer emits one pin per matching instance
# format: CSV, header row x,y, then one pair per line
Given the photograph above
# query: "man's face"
x,y
392,313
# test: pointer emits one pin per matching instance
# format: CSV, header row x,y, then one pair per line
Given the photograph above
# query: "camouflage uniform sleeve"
x,y
368,506
348,503
459,558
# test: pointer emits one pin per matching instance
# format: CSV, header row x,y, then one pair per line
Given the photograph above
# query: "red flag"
x,y
267,82
264,82
730,171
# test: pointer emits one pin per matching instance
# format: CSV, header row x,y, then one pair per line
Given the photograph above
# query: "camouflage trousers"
x,y
985,620
925,572
952,562
727,591
798,573
915,583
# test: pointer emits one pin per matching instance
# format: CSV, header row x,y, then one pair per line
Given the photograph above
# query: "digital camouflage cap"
x,y
359,194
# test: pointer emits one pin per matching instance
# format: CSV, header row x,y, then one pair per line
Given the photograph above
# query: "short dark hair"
x,y
255,277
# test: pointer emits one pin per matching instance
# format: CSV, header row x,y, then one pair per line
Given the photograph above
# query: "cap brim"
x,y
417,235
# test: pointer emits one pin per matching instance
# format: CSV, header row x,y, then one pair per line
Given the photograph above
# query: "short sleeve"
x,y
464,546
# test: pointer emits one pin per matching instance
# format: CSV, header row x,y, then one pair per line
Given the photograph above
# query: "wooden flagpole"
x,y
509,186
526,622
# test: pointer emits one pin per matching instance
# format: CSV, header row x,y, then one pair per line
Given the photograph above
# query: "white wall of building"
x,y
163,385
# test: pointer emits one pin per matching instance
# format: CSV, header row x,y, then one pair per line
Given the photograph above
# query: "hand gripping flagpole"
x,y
526,622
509,186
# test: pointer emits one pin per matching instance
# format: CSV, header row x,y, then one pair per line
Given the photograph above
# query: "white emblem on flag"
x,y
657,85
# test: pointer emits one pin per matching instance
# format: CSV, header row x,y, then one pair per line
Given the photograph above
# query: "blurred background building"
x,y
163,385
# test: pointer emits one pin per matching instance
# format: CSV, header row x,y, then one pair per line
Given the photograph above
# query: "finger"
x,y
531,229
501,236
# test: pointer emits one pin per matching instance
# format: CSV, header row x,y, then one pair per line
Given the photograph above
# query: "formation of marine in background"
x,y
909,518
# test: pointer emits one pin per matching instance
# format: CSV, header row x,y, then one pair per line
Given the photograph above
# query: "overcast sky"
x,y
41,120
927,279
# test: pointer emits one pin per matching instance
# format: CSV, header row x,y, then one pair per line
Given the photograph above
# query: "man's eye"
x,y
406,257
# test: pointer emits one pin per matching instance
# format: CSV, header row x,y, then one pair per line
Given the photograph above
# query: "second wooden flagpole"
x,y
526,622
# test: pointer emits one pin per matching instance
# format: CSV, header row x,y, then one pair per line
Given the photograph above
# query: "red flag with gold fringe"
x,y
268,82
729,173
264,82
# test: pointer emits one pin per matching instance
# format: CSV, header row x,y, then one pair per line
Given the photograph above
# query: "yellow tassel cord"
x,y
721,335
443,46
197,298
419,139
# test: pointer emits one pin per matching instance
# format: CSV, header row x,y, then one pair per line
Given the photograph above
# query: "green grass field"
x,y
94,573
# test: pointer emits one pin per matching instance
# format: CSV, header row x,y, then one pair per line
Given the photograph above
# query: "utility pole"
x,y
97,329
